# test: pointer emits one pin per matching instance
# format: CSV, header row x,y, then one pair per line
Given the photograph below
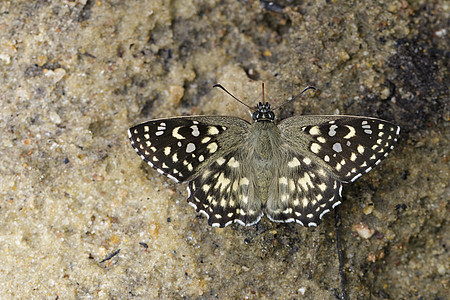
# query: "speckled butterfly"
x,y
237,171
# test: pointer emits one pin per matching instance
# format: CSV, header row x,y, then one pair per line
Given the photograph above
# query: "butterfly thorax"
x,y
265,139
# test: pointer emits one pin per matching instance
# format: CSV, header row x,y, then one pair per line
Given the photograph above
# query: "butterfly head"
x,y
263,112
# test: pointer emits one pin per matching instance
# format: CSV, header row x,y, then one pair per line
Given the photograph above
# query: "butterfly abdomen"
x,y
264,144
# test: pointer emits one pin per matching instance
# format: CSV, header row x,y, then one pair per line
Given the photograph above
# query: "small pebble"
x,y
363,230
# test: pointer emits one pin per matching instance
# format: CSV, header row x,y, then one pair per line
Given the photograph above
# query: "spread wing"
x,y
207,152
320,152
182,147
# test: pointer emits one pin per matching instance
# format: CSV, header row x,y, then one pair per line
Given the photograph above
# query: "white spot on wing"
x,y
204,213
321,139
257,220
283,180
213,130
233,163
173,178
315,130
212,147
176,135
323,213
360,149
356,177
205,140
239,222
336,204
195,131
315,148
294,163
337,147
351,134
332,131
190,148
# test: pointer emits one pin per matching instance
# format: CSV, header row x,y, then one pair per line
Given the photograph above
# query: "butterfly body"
x,y
238,171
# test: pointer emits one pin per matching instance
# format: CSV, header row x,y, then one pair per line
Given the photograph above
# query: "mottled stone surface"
x,y
76,74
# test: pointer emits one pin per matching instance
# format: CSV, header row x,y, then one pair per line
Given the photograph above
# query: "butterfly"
x,y
291,171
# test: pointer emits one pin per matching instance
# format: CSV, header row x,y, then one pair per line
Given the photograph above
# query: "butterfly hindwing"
x,y
302,191
225,193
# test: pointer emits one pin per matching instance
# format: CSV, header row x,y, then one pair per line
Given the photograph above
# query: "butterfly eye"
x,y
255,115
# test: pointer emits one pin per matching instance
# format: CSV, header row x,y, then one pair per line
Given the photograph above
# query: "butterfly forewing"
x,y
348,146
181,147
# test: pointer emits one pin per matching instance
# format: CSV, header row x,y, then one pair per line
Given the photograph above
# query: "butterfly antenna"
x,y
263,93
225,90
290,100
